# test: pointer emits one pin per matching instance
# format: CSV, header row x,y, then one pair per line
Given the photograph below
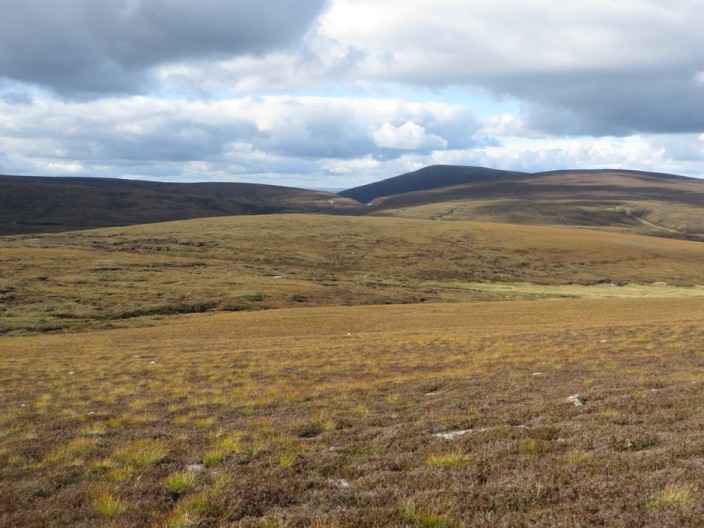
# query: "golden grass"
x,y
448,461
142,453
180,481
106,504
330,415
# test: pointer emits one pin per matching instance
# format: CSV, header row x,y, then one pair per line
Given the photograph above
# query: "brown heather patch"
x,y
328,416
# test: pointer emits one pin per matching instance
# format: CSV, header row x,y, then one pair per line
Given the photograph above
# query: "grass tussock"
x,y
180,481
448,461
426,519
107,505
141,453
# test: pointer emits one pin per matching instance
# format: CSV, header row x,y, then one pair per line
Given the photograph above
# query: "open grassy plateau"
x,y
132,275
311,370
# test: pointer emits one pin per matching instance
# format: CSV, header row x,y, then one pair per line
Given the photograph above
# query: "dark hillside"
x,y
427,178
36,204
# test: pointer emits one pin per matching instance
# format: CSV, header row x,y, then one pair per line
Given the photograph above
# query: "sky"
x,y
339,93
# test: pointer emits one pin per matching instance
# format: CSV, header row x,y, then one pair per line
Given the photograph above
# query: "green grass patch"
x,y
142,453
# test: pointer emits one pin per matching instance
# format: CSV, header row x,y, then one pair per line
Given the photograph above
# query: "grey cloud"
x,y
16,97
345,128
141,136
595,67
170,141
80,47
617,104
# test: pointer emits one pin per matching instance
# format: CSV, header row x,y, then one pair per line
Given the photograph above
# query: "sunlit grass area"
x,y
414,415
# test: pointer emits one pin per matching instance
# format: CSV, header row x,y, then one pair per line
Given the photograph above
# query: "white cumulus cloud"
x,y
408,136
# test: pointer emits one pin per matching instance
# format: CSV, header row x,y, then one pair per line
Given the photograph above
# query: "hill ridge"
x,y
636,201
618,199
30,204
425,179
439,176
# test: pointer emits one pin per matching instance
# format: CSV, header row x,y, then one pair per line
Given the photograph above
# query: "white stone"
x,y
576,399
453,434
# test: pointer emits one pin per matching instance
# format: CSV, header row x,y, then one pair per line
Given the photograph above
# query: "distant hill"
x,y
44,204
629,201
427,178
639,202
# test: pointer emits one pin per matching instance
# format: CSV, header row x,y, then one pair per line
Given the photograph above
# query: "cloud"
x,y
614,104
81,47
698,79
505,124
679,148
409,136
246,135
292,91
595,67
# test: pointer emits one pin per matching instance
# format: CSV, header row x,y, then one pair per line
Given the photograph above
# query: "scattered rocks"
x,y
577,400
277,277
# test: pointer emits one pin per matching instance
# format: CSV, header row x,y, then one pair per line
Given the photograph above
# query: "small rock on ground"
x,y
453,434
576,399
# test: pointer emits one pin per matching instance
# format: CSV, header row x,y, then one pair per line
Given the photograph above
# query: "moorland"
x,y
333,363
